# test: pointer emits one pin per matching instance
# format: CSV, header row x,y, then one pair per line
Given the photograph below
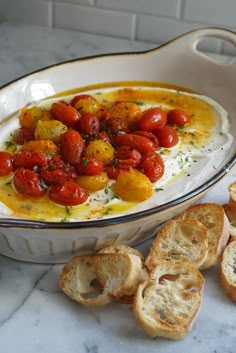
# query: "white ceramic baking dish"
x,y
178,62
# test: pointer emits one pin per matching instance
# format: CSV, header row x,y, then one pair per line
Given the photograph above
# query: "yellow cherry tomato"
x,y
92,183
132,185
100,149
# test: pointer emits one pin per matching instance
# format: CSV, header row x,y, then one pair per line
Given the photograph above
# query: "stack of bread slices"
x,y
166,288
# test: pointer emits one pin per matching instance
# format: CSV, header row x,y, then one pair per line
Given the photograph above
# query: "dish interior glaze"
x,y
201,150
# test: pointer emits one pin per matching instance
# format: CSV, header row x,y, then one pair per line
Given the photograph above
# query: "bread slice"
x,y
167,304
180,240
230,211
120,248
213,217
119,275
125,249
228,270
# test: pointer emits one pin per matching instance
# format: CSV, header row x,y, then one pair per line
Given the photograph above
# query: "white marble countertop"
x,y
35,316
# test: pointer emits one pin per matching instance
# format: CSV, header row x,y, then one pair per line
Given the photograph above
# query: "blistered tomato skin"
x,y
167,136
65,113
142,144
178,117
29,160
54,177
89,166
23,134
149,135
68,193
27,183
153,167
88,124
72,147
152,119
6,166
127,157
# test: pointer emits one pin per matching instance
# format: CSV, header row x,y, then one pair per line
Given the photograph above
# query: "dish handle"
x,y
189,41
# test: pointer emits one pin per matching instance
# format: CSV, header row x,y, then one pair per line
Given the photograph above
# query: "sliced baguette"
x,y
230,211
213,217
167,304
228,270
180,240
119,275
125,249
120,248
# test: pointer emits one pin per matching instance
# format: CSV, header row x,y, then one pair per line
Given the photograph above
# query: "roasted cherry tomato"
x,y
142,144
90,166
149,135
65,113
167,136
23,134
117,124
128,111
178,117
92,183
153,167
112,171
6,166
101,150
27,183
88,124
26,159
152,119
127,157
67,193
55,177
104,136
81,96
72,146
132,185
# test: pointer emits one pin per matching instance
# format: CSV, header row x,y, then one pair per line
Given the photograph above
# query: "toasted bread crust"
x,y
120,248
213,217
228,270
180,240
117,275
160,304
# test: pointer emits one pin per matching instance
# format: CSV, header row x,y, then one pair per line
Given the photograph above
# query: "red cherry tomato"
x,y
90,166
27,183
153,167
167,136
127,157
23,134
149,135
56,163
72,146
117,124
6,166
178,117
103,135
29,160
65,113
112,171
54,177
140,143
152,119
67,193
88,124
81,96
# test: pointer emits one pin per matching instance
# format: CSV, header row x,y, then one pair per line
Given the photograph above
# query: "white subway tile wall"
x,y
156,21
